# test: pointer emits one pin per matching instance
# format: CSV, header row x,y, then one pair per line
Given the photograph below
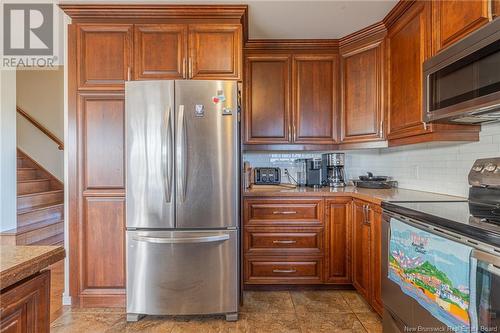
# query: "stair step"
x,y
35,214
36,236
28,174
33,186
40,198
54,240
36,226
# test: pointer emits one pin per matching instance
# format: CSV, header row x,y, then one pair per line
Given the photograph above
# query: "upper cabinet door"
x,y
215,51
160,51
457,18
315,98
267,111
362,79
104,54
409,40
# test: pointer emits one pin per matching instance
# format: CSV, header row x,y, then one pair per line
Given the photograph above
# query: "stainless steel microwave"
x,y
462,83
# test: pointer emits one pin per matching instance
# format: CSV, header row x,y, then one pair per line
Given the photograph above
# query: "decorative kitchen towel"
x,y
433,270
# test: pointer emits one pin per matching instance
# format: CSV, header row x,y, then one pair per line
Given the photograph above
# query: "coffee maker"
x,y
314,172
333,169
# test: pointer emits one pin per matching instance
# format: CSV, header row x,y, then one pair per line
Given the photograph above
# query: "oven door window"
x,y
473,76
488,297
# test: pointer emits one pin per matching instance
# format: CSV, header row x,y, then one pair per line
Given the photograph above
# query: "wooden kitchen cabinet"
x,y
458,18
215,51
283,241
104,55
267,115
291,99
376,258
315,98
160,51
363,88
409,46
25,307
338,240
361,235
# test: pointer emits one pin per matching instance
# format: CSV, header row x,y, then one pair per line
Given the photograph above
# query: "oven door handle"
x,y
492,261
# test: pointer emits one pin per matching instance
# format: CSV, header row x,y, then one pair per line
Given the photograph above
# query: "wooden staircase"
x,y
40,205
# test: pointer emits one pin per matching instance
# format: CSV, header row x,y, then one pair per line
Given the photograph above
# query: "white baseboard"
x,y
66,300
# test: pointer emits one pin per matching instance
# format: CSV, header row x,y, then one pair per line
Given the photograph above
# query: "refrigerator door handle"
x,y
181,153
182,240
167,159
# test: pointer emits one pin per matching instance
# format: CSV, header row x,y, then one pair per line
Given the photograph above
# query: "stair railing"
x,y
43,129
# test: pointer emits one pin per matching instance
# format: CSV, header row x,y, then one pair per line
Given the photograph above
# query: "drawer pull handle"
x,y
287,241
286,212
284,270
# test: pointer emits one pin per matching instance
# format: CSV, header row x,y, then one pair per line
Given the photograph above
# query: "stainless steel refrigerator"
x,y
182,198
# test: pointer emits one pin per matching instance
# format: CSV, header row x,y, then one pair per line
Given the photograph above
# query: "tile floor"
x,y
263,312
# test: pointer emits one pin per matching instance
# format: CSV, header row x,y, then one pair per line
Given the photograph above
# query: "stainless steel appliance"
x,y
462,83
182,198
314,172
333,169
267,176
300,165
475,223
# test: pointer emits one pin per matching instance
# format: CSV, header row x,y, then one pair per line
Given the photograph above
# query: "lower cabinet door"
x,y
376,258
279,270
338,240
26,307
361,249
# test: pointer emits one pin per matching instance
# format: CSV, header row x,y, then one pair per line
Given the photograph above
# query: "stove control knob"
x,y
478,168
490,167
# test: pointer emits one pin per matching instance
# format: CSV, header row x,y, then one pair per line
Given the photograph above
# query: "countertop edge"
x,y
29,267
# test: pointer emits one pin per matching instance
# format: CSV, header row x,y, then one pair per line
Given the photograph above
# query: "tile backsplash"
x,y
434,167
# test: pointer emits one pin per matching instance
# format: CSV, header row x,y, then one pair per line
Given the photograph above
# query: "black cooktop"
x,y
465,218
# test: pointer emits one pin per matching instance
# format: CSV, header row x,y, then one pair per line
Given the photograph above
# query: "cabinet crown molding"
x,y
159,11
373,32
292,44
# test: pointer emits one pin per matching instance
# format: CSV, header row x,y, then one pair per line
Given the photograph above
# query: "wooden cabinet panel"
x,y
104,54
363,93
160,51
338,240
25,306
283,211
315,98
284,240
102,119
267,112
409,46
458,18
279,270
376,257
215,51
103,239
361,249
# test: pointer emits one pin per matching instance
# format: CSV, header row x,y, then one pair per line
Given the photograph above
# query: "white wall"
x,y
440,168
433,167
41,94
8,190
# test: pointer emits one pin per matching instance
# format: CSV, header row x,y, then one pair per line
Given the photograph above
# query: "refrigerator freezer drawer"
x,y
182,272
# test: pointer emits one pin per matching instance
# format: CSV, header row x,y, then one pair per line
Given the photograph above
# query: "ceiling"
x,y
299,19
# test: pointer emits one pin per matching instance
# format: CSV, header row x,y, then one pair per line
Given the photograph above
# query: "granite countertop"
x,y
19,262
376,196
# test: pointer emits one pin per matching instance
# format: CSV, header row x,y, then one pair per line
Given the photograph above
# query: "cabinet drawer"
x,y
277,241
298,211
291,270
